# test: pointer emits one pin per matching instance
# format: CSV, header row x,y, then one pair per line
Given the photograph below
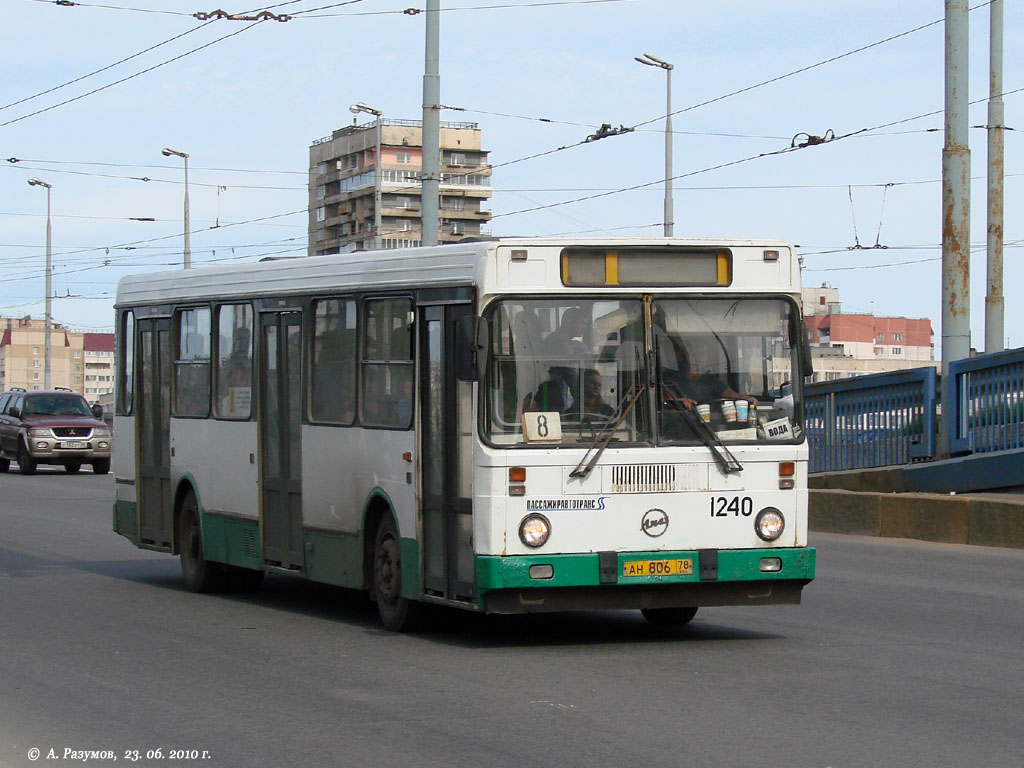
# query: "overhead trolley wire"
x,y
102,69
130,77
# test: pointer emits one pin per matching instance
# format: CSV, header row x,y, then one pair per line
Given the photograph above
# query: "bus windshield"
x,y
578,365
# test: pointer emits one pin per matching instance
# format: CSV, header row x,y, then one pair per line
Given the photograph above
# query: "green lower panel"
x,y
334,558
125,520
412,587
584,570
231,541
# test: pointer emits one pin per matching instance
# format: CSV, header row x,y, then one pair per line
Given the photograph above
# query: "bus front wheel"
x,y
669,617
200,574
397,613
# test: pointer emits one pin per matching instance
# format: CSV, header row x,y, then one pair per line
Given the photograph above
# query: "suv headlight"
x,y
101,432
40,432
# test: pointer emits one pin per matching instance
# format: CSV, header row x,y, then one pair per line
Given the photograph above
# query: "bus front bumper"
x,y
631,580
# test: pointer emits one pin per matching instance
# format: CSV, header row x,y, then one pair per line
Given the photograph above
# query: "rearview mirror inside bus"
x,y
471,335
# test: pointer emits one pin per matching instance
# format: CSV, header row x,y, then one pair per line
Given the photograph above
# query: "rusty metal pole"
x,y
430,188
994,296
956,211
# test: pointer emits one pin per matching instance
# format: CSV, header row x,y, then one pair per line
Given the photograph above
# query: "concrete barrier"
x,y
990,520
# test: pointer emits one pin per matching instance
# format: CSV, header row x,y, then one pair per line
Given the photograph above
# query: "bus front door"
x,y
280,411
153,425
446,459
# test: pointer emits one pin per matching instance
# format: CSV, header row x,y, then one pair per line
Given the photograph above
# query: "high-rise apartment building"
x,y
82,362
344,173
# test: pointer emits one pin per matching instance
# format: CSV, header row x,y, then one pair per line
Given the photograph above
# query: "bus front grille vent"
x,y
647,478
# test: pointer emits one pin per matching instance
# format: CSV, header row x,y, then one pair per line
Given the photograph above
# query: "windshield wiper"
x,y
604,437
728,463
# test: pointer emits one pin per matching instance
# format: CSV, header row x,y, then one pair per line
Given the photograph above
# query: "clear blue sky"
x,y
246,109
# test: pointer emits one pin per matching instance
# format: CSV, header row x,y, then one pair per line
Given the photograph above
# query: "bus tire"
x,y
200,574
669,617
397,613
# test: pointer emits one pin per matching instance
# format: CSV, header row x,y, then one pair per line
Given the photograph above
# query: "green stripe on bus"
x,y
235,542
125,522
334,558
512,572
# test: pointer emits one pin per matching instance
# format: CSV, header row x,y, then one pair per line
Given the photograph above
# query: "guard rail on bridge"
x,y
892,419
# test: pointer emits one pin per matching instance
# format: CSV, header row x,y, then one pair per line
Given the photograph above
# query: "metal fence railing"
x,y
988,403
872,421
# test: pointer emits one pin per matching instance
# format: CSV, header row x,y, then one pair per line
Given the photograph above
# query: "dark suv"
x,y
51,426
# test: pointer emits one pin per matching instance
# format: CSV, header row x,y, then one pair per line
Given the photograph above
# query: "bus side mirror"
x,y
798,334
471,337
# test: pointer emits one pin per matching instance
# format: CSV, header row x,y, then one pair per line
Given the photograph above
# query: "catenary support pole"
x,y
956,210
431,183
994,306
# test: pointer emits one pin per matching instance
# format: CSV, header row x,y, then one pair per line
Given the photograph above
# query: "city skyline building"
x,y
345,178
81,362
854,344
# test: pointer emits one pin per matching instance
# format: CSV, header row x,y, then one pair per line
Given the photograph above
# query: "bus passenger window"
x,y
192,364
333,368
234,361
387,363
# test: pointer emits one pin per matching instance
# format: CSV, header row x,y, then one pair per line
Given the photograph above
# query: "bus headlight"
x,y
534,530
769,524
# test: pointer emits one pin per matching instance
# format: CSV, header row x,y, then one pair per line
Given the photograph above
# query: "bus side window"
x,y
234,361
387,363
192,366
334,361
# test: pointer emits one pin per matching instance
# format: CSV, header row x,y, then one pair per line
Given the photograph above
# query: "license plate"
x,y
74,445
681,567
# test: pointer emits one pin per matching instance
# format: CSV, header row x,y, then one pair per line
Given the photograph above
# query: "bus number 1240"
x,y
722,506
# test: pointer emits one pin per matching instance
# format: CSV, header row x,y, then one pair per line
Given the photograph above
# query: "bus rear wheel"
x,y
397,613
200,574
669,617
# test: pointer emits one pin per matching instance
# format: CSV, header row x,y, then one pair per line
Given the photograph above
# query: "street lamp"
x,y
653,61
356,109
49,279
167,152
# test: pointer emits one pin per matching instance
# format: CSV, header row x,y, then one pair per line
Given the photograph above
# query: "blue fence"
x,y
871,421
889,419
988,401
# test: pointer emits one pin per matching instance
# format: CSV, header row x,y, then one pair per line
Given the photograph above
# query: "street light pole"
x,y
49,287
167,152
653,61
356,109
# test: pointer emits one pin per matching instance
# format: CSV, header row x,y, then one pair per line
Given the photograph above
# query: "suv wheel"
x,y
72,468
5,464
26,463
101,466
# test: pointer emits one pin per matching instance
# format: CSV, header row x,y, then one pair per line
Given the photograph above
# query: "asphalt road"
x,y
902,654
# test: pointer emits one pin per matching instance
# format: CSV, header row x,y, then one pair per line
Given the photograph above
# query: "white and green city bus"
x,y
510,426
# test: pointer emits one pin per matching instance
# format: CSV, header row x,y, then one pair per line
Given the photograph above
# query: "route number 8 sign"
x,y
542,427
